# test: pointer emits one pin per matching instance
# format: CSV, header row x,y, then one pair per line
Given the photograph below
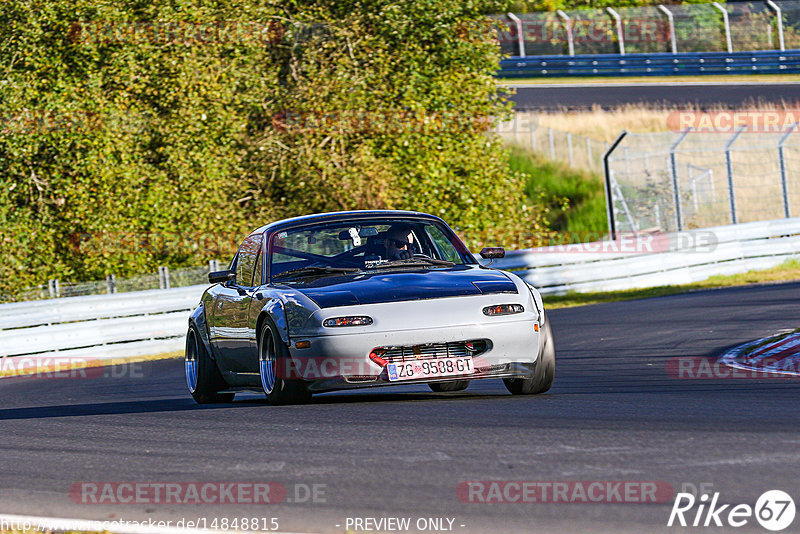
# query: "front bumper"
x,y
342,361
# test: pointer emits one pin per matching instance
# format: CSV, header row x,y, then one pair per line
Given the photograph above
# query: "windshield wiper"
x,y
316,269
416,260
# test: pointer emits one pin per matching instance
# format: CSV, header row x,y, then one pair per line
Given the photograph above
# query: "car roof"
x,y
342,215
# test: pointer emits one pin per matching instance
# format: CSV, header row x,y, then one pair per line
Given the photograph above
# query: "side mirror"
x,y
493,253
218,277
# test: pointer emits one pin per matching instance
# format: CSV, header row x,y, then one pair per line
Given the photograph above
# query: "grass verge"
x,y
58,364
787,271
572,199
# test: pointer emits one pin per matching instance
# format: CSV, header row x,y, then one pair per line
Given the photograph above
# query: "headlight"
x,y
359,320
503,309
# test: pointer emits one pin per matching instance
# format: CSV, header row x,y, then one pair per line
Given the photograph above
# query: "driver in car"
x,y
399,243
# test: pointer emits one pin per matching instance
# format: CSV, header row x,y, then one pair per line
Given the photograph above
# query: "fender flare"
x,y
274,310
198,320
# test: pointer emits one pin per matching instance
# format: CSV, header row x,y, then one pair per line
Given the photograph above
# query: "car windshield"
x,y
345,247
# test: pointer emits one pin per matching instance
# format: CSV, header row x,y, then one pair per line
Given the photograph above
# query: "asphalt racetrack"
x,y
732,95
615,413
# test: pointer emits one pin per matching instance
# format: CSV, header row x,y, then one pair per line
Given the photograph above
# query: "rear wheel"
x,y
202,375
544,369
452,385
274,368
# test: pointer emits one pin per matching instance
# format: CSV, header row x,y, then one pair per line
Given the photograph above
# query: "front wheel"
x,y
544,369
202,375
274,368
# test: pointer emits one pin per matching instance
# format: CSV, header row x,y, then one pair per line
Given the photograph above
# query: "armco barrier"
x,y
98,326
726,250
660,64
148,322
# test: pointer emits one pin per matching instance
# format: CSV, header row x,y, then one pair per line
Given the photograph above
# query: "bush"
x,y
142,132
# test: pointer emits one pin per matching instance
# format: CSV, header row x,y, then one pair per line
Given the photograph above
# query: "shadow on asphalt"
x,y
180,405
106,408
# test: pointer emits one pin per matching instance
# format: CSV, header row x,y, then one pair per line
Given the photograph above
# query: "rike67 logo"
x,y
774,510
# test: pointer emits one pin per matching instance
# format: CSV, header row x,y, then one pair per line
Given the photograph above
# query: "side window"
x,y
259,271
246,260
443,245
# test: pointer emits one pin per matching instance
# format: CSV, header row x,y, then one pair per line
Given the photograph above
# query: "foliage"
x,y
139,133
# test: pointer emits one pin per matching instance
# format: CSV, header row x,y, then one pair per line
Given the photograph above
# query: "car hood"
x,y
394,286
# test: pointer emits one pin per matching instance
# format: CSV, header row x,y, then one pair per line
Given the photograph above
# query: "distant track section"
x,y
610,95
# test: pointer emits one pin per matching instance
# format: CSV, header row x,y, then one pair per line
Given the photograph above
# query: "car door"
x,y
232,336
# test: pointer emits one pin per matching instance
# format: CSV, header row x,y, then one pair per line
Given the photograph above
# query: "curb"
x,y
775,355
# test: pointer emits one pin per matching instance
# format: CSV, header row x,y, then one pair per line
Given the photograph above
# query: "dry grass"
x,y
606,124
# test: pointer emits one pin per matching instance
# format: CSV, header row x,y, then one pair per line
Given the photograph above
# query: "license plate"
x,y
430,368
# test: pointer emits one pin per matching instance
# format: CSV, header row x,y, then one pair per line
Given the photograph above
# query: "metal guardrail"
x,y
148,322
677,258
99,326
660,64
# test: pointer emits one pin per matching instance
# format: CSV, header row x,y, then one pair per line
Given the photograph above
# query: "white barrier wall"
x,y
657,260
99,326
148,322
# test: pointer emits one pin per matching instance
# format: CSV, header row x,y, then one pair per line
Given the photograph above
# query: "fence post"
x,y
589,152
568,26
727,23
111,284
782,161
612,230
516,127
533,136
674,169
53,288
729,170
569,148
552,143
779,15
163,277
671,20
620,36
520,36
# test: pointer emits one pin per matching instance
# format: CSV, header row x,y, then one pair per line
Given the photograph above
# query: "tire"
x,y
202,375
544,369
273,367
452,385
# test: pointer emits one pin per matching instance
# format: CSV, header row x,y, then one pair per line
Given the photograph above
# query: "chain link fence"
x,y
741,26
677,181
577,150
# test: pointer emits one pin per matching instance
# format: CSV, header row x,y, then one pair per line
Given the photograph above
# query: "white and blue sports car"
x,y
360,299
